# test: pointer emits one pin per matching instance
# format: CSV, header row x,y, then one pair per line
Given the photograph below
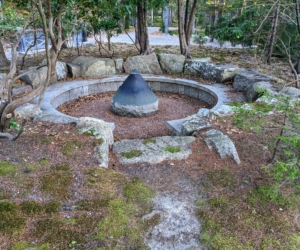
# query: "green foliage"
x,y
172,149
8,207
11,224
132,153
13,124
199,39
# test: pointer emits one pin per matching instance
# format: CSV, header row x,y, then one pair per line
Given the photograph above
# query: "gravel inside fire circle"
x,y
170,107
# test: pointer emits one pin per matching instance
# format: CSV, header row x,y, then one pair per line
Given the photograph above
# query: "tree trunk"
x,y
152,17
186,15
273,33
171,17
136,41
165,15
184,49
142,27
3,60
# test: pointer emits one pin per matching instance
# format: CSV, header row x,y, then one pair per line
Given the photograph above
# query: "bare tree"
x,y
185,26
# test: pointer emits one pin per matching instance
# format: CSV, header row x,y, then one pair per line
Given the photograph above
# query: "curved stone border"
x,y
60,93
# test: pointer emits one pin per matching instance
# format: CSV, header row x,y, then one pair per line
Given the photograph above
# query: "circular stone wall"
x,y
60,93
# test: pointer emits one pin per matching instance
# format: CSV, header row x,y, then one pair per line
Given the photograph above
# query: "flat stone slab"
x,y
194,123
222,144
154,150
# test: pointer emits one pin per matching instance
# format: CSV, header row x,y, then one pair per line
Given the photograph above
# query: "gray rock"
x,y
84,122
146,64
291,92
35,78
134,110
210,71
194,123
203,112
25,110
2,82
21,89
95,67
175,126
222,144
194,66
222,111
171,63
154,151
100,130
55,118
245,79
119,65
178,226
252,92
74,70
61,69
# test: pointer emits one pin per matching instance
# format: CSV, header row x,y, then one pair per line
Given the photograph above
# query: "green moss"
x,y
172,149
26,245
150,140
70,148
222,177
90,132
52,207
131,154
90,205
58,233
8,207
29,168
117,223
219,201
221,241
57,184
48,139
98,142
11,224
61,168
138,192
44,161
7,168
31,208
294,242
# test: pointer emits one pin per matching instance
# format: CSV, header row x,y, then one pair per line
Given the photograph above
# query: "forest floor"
x,y
53,195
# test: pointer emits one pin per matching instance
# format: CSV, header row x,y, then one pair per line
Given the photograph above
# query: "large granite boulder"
x,y
255,89
146,64
119,65
291,92
95,67
35,78
74,70
102,132
171,63
195,66
209,71
245,79
2,82
61,69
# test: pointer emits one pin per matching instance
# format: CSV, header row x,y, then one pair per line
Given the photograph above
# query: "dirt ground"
x,y
56,150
